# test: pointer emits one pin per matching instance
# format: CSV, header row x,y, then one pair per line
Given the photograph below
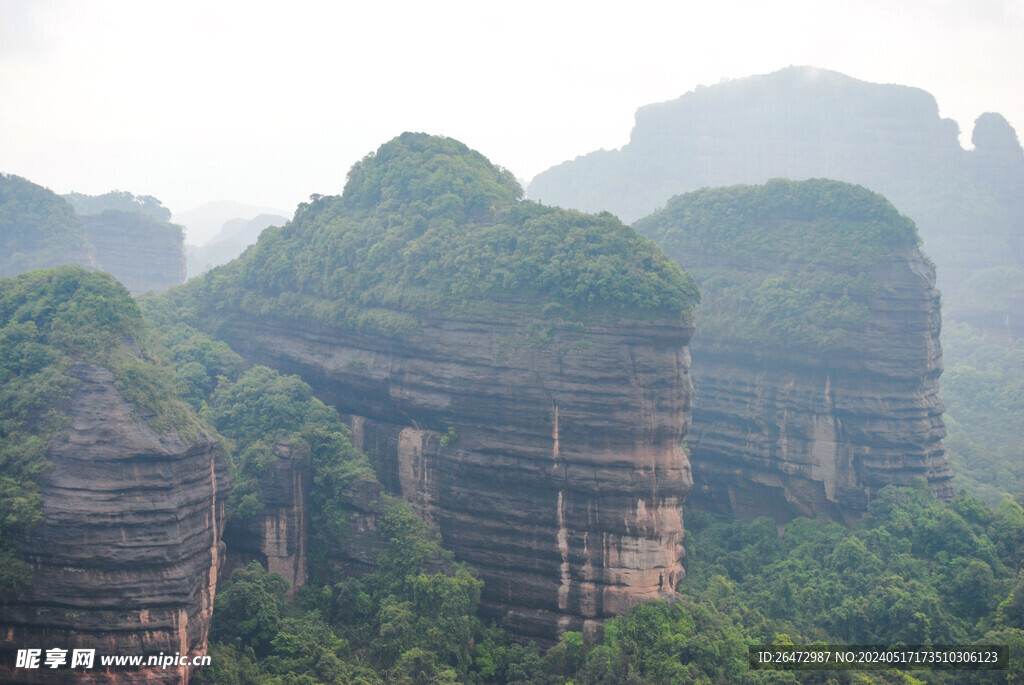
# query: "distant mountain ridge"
x,y
38,229
234,236
801,123
203,223
123,234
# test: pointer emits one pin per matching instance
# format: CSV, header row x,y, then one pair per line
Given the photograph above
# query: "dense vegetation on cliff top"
x,y
120,224
786,262
50,320
37,229
121,201
425,223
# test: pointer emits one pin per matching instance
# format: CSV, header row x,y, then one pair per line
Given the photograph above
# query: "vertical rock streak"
x,y
126,560
786,433
555,446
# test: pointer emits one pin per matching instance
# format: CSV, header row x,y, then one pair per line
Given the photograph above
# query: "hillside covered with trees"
x,y
38,229
425,223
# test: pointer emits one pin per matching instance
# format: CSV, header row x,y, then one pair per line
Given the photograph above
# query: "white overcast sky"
x,y
266,103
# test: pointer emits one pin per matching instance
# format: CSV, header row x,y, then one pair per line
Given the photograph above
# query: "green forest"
x,y
424,224
39,229
118,200
784,263
914,570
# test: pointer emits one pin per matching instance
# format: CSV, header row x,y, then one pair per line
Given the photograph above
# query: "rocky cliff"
x,y
554,470
817,357
130,493
803,123
142,252
521,372
134,242
279,535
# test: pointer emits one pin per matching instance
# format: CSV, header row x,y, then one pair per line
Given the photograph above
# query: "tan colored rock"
x,y
553,467
127,559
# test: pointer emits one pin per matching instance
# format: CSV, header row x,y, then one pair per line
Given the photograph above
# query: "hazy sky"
x,y
266,103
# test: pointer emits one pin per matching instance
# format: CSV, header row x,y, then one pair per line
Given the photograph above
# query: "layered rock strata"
x,y
140,251
817,358
279,537
553,467
126,561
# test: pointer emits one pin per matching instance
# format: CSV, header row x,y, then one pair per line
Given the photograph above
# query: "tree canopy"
x,y
38,229
789,262
119,200
425,223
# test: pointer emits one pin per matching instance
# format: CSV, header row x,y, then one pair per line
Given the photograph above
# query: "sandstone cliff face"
x,y
817,356
784,432
127,559
549,459
140,251
278,538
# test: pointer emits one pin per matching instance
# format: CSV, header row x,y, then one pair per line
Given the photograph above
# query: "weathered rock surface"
x,y
127,559
520,370
278,538
553,467
142,252
810,410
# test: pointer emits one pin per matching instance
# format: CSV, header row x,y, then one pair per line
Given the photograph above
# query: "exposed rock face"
x,y
279,538
127,559
140,251
784,433
553,467
802,123
807,411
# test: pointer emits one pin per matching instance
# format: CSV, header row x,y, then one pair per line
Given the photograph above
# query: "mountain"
x,y
520,371
234,236
120,233
142,252
802,123
113,490
817,357
38,229
118,200
205,221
